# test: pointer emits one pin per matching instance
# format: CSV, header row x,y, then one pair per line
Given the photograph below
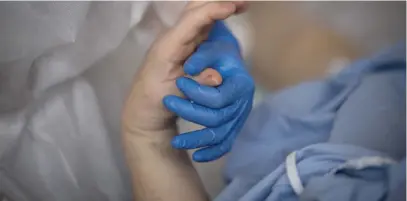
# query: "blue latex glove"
x,y
222,110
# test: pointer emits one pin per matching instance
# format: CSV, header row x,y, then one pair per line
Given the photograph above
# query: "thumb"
x,y
209,77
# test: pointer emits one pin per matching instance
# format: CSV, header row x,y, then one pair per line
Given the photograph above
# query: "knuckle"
x,y
195,16
211,118
225,114
219,99
215,137
188,14
215,121
218,102
225,148
199,143
215,5
219,118
186,18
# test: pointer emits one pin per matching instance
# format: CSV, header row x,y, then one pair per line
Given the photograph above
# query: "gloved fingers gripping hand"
x,y
227,93
224,109
216,141
199,114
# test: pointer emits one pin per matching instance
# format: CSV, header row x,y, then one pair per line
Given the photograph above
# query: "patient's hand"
x,y
144,109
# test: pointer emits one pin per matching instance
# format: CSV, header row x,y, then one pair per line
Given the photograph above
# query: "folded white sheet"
x,y
65,69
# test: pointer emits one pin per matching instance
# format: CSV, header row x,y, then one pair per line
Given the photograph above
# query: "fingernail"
x,y
216,81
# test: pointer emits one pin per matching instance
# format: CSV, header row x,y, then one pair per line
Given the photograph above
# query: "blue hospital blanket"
x,y
346,135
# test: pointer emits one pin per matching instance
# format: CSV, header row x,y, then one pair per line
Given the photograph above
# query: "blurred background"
x,y
66,67
297,41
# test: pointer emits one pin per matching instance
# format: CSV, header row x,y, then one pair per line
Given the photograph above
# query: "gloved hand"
x,y
222,110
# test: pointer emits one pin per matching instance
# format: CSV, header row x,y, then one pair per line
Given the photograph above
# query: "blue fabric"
x,y
379,122
358,185
328,122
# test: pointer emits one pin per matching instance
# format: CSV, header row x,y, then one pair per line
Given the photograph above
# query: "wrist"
x,y
145,133
146,125
141,115
142,144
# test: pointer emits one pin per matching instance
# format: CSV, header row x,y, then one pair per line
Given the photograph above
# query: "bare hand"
x,y
143,109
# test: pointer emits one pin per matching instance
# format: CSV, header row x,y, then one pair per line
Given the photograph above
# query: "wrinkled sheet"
x,y
65,69
55,142
358,112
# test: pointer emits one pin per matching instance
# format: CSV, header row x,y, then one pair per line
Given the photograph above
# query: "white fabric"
x,y
292,173
65,69
364,162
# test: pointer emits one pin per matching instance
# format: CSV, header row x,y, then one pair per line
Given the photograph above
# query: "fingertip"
x,y
211,153
176,143
185,85
199,157
180,82
202,156
209,77
169,102
183,81
167,99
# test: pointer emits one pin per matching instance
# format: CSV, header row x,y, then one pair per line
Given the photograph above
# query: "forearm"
x,y
160,172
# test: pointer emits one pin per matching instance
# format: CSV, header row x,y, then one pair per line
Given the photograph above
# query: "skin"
x,y
158,171
209,77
